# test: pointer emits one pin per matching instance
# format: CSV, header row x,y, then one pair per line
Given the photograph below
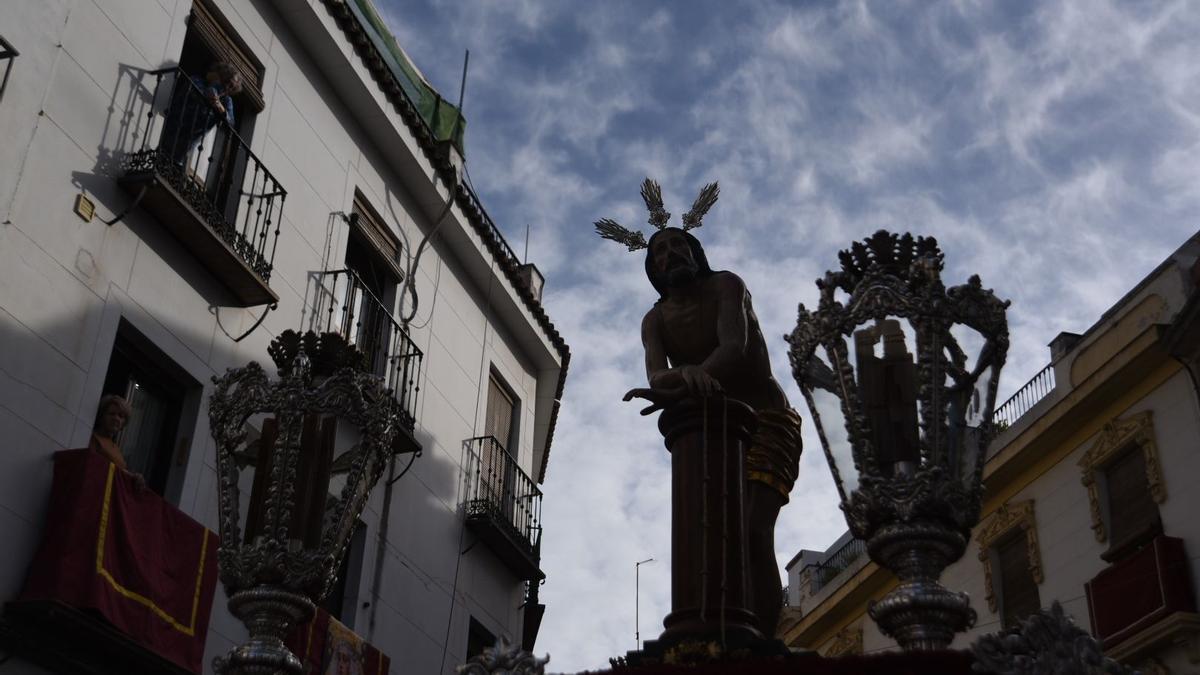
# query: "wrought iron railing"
x,y
189,143
497,488
345,305
1018,404
7,54
837,561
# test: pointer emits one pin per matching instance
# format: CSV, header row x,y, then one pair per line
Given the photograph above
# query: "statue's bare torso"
x,y
714,328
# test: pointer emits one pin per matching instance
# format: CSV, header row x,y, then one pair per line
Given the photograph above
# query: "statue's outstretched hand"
x,y
660,398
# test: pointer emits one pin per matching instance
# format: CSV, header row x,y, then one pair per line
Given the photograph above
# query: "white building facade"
x,y
306,212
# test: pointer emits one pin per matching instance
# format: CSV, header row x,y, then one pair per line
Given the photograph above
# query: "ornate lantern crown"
x,y
917,430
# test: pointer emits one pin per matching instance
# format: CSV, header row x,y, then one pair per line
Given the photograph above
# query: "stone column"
x,y
709,565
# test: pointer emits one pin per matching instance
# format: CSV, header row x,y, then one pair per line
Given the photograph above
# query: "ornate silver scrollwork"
x,y
1045,642
272,581
504,659
916,521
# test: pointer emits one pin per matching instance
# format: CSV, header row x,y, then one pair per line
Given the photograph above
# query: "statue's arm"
x,y
729,358
658,371
666,384
684,378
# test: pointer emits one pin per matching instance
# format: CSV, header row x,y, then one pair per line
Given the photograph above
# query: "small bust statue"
x,y
111,417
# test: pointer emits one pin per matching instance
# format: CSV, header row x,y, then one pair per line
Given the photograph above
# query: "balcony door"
x,y
213,158
371,253
499,460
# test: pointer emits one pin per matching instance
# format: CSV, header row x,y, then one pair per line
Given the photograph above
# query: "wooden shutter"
x,y
216,34
499,413
1131,509
371,226
1018,591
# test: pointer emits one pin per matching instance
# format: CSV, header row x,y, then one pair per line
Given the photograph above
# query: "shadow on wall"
x,y
48,401
124,132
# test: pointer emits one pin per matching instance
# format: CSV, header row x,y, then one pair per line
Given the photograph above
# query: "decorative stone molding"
x,y
1004,520
1117,435
1180,628
849,640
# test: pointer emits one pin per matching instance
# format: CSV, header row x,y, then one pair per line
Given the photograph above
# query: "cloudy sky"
x,y
1052,147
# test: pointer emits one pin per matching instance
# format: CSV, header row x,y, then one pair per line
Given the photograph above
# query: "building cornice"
x,y
439,156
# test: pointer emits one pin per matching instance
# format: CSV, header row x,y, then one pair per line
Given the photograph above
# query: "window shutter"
x,y
499,413
372,228
1018,591
214,31
1131,509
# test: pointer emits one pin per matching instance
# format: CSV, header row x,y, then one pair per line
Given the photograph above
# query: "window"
x,y
1132,514
501,409
478,639
499,448
372,252
1018,589
214,156
1012,561
155,389
1125,485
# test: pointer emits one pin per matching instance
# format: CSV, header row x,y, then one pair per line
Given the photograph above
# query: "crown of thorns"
x,y
652,195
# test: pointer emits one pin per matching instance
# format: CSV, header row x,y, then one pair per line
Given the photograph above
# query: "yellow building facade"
x,y
1088,501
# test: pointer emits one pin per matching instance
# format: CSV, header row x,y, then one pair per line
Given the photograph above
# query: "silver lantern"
x,y
282,561
917,429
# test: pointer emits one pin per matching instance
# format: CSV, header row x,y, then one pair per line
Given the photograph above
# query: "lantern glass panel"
x,y
885,373
838,452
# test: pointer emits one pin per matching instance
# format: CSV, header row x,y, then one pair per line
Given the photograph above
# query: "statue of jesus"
x,y
701,339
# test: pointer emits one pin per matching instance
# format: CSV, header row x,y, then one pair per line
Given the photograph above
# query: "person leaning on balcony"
x,y
111,416
197,108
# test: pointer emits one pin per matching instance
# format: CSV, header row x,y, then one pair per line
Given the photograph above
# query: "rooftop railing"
x,y
837,561
1018,404
345,305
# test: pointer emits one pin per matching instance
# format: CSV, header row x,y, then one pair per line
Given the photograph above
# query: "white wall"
x,y
64,285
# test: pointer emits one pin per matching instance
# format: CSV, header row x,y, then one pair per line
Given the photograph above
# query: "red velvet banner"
x,y
324,645
143,564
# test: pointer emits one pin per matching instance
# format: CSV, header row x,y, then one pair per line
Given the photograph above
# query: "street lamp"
x,y
637,626
283,563
917,431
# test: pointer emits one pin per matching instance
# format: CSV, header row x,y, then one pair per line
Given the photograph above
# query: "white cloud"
x,y
1054,153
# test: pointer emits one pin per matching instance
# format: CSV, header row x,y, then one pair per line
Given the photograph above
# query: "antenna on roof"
x,y
525,258
462,87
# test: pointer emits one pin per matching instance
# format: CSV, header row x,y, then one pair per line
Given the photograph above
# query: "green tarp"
x,y
444,120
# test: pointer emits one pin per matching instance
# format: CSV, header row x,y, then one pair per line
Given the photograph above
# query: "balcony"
x,y
345,305
1145,598
122,582
1025,398
503,506
837,561
192,173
